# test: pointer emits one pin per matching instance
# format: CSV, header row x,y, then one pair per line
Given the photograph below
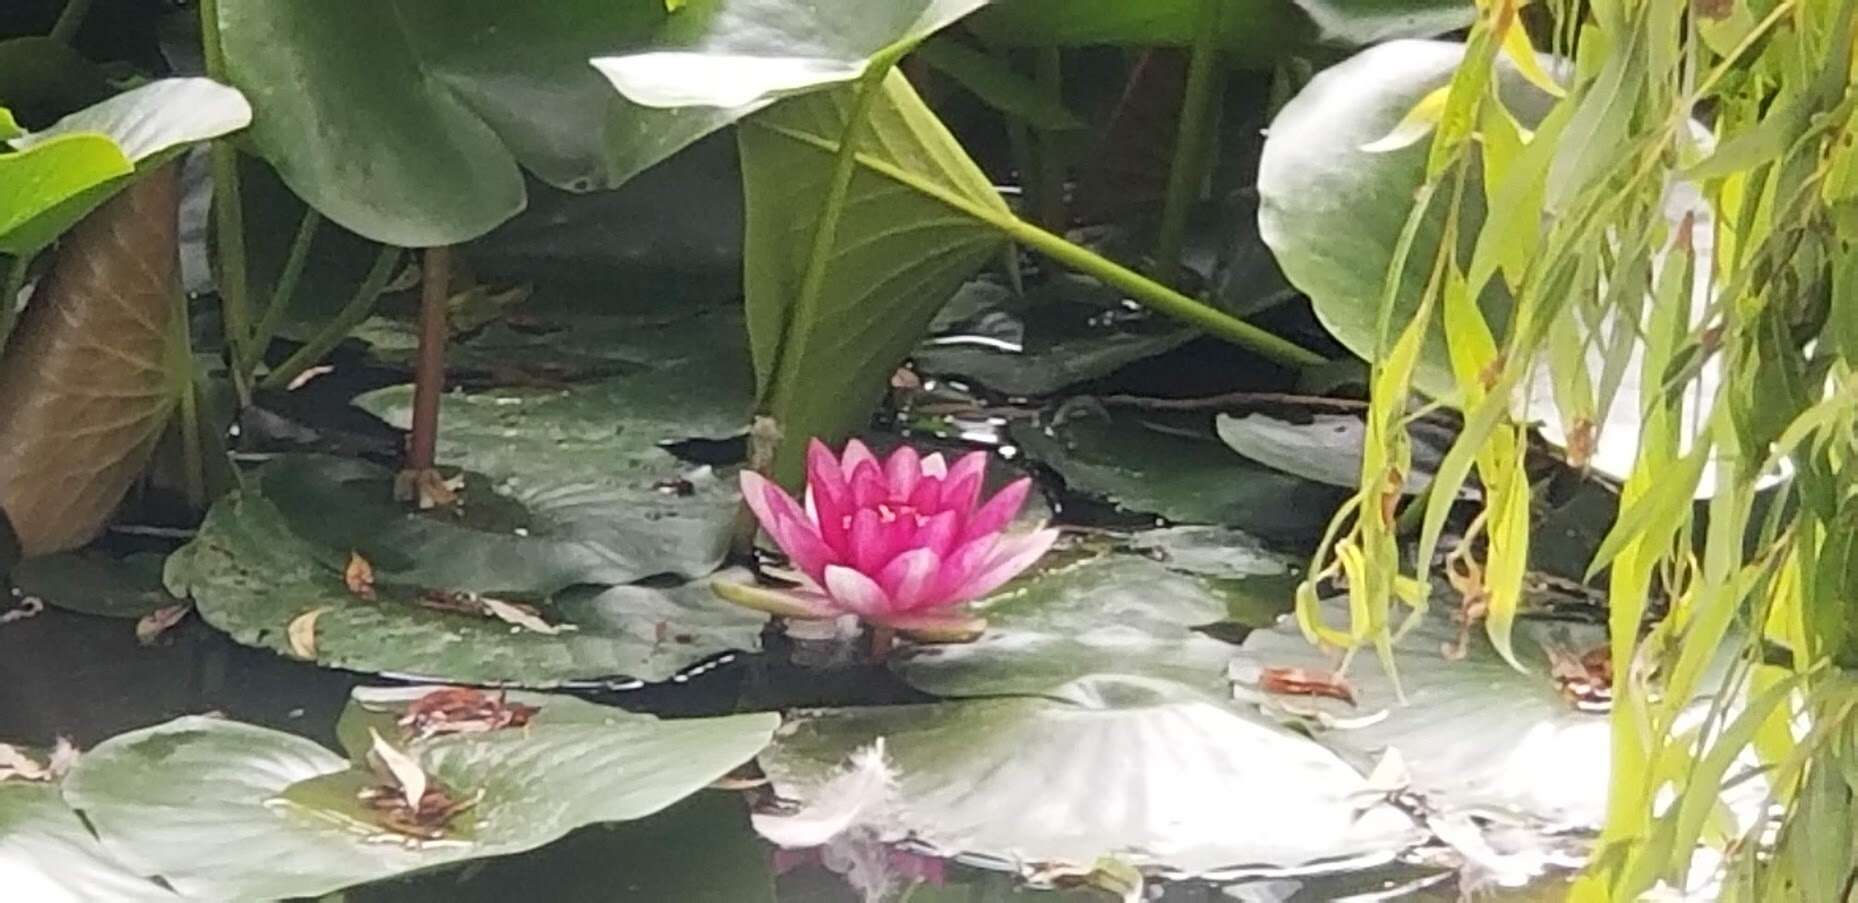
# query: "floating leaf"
x,y
222,810
253,574
95,583
1183,478
1022,780
1117,614
1327,449
47,854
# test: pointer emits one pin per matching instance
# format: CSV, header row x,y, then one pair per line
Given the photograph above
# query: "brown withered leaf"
x,y
462,710
151,626
359,577
1305,682
85,384
427,488
407,800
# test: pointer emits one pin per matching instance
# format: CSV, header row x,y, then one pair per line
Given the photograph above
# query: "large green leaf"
x,y
222,810
1113,615
65,170
1135,768
253,574
407,121
898,253
1255,30
48,855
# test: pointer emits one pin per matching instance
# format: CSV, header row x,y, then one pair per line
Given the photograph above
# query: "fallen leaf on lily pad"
x,y
252,573
215,807
302,634
522,616
358,576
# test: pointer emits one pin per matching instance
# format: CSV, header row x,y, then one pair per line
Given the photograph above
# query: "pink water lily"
x,y
901,542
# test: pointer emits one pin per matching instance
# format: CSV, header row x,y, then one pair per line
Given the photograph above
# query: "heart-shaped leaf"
x,y
47,854
222,810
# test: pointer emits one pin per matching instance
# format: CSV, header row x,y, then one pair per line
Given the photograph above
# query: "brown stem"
x,y
429,370
882,638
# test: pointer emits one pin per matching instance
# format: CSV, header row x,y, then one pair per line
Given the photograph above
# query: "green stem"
x,y
357,310
1051,169
286,288
9,295
1206,84
1160,297
228,217
805,313
1139,287
70,20
193,457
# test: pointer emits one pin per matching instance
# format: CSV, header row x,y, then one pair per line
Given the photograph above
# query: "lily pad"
x,y
222,810
47,855
253,576
1541,758
1111,615
589,461
1030,780
94,583
1181,476
1326,449
1048,340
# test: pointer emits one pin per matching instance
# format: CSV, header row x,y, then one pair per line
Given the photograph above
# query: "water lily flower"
x,y
901,543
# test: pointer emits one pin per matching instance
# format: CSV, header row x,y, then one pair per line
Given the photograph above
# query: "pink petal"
x,y
868,487
938,533
927,499
999,510
855,592
856,453
960,566
824,477
935,466
899,537
963,485
755,493
866,542
1014,555
902,471
908,577
803,545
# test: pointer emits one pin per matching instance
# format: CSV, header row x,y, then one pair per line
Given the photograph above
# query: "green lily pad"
x,y
95,583
1205,790
1542,759
47,854
1180,476
700,850
1326,449
222,810
252,575
1111,615
1046,341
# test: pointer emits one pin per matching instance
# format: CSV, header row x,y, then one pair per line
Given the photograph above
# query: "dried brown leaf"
x,y
151,626
1305,682
462,710
86,387
359,577
522,616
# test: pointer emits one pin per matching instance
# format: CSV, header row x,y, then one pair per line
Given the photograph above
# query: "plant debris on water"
x,y
462,710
